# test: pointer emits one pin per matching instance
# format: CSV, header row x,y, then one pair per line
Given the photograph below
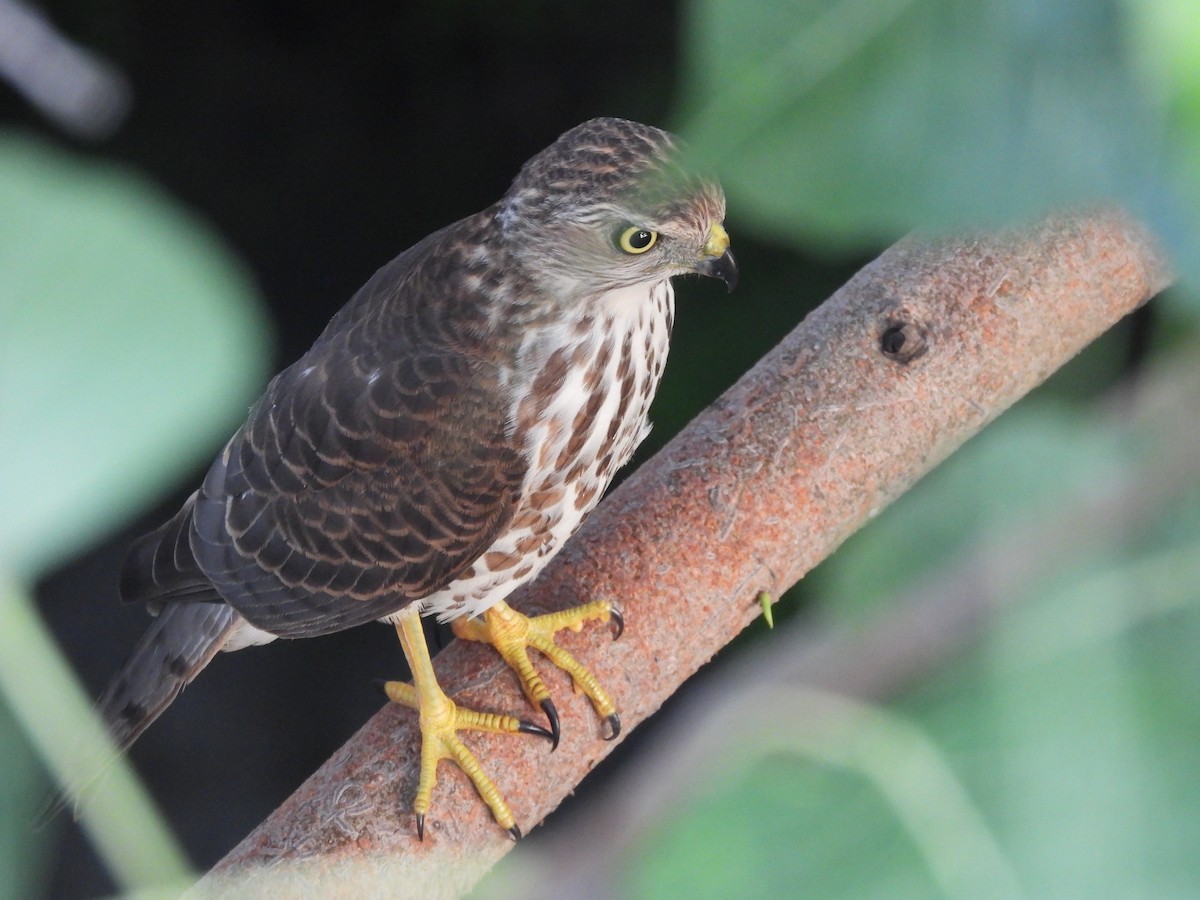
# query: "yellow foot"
x,y
441,719
512,633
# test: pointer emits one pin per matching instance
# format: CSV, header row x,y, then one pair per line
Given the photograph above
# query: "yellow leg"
x,y
441,719
512,633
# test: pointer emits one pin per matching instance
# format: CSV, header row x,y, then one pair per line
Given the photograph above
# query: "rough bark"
x,y
912,357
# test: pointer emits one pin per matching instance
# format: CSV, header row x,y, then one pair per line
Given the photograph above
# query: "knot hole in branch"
x,y
903,341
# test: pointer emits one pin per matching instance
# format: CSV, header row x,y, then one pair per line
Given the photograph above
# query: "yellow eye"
x,y
633,239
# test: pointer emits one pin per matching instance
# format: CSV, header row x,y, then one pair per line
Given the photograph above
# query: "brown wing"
x,y
371,473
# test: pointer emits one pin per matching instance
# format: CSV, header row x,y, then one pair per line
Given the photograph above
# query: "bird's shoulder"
x,y
414,361
377,466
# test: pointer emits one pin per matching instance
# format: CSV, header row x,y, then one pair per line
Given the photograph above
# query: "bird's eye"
x,y
632,239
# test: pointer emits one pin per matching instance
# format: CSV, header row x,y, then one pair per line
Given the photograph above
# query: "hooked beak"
x,y
715,259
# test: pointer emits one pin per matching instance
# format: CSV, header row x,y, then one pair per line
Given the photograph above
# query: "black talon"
x,y
529,728
614,722
515,832
620,620
552,714
381,686
420,826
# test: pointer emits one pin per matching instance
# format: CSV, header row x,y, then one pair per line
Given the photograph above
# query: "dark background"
x,y
321,140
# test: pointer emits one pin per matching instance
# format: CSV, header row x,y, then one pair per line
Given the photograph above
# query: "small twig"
x,y
913,356
84,94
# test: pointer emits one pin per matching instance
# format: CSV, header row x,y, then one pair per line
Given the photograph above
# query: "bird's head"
x,y
610,204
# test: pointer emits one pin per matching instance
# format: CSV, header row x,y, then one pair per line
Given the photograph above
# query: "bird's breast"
x,y
586,406
580,402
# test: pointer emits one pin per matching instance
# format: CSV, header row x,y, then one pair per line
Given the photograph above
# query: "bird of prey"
x,y
439,442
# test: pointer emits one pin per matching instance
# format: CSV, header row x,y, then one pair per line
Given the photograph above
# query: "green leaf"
x,y
849,122
1163,37
129,338
56,715
23,852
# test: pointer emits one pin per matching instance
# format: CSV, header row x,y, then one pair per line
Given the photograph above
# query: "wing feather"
x,y
370,473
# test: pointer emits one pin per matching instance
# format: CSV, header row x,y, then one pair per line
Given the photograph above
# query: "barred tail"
x,y
181,641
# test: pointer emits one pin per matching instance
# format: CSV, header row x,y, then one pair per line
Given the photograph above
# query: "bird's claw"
x,y
619,621
614,722
532,728
555,732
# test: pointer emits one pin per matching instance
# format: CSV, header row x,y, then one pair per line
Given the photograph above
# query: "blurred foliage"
x,y
1020,468
850,122
1070,728
22,852
128,338
1081,762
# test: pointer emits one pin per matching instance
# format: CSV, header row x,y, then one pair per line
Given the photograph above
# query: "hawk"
x,y
440,441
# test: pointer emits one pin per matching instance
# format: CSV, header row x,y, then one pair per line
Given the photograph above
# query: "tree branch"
x,y
912,357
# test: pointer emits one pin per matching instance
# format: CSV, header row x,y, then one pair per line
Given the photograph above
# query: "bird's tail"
x,y
180,642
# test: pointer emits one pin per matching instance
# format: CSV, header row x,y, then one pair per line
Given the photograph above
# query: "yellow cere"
x,y
718,240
